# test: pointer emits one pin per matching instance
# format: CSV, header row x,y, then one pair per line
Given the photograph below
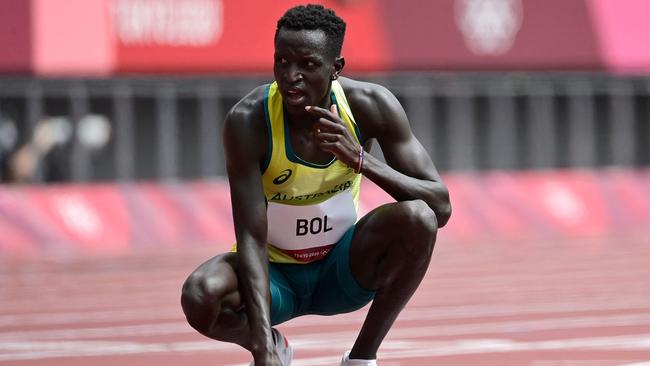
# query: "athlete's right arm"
x,y
244,139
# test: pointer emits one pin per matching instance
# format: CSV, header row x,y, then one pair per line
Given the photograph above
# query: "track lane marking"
x,y
423,330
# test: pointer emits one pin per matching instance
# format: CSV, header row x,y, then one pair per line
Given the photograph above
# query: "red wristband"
x,y
360,163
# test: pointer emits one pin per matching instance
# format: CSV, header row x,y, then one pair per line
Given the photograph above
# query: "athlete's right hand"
x,y
333,136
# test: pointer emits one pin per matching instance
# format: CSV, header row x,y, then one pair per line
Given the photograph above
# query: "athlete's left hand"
x,y
333,136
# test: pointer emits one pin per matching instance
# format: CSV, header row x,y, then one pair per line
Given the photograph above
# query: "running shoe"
x,y
346,361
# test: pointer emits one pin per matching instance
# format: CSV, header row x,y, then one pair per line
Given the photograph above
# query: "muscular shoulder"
x,y
249,110
375,108
245,126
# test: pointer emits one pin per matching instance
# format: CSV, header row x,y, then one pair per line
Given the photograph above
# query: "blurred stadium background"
x,y
537,112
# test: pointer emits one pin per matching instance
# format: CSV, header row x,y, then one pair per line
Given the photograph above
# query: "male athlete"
x,y
295,152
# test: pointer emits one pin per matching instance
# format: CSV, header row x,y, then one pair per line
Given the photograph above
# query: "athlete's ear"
x,y
339,63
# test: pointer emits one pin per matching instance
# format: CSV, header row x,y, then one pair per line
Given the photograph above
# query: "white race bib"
x,y
302,227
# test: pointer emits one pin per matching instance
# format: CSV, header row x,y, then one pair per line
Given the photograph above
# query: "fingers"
x,y
326,125
327,137
332,135
331,113
329,120
317,110
332,146
334,142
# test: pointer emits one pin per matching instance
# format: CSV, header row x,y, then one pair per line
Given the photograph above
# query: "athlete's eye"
x,y
311,64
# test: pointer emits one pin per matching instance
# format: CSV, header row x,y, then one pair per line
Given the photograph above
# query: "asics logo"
x,y
282,177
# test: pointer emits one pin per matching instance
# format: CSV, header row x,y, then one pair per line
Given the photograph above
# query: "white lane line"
x,y
580,362
487,311
84,302
411,313
45,350
120,331
391,349
525,325
81,316
478,328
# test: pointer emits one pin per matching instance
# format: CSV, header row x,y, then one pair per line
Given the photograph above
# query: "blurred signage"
x,y
226,35
105,37
192,23
78,216
491,34
167,35
489,27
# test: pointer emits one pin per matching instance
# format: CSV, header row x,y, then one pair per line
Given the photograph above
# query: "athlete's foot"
x,y
282,347
346,361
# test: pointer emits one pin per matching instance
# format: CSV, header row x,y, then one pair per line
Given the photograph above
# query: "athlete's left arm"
x,y
409,172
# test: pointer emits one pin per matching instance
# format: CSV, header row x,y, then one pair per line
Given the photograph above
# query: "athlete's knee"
x,y
420,224
419,218
199,295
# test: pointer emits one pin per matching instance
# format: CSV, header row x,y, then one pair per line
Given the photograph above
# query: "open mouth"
x,y
295,97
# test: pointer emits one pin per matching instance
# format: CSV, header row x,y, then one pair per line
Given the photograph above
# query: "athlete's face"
x,y
304,68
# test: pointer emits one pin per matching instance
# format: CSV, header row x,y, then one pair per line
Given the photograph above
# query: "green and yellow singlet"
x,y
310,206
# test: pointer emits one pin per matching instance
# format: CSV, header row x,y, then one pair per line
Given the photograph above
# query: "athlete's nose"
x,y
292,74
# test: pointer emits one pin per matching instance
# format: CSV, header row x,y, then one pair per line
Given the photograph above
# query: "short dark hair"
x,y
312,17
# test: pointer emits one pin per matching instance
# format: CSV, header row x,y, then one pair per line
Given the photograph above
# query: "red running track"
x,y
565,302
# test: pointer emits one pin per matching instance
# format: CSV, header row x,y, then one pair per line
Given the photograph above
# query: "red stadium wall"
x,y
499,34
236,37
106,37
515,207
15,36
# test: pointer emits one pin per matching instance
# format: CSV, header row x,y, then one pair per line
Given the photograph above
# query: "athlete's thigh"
x,y
284,301
337,290
217,280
